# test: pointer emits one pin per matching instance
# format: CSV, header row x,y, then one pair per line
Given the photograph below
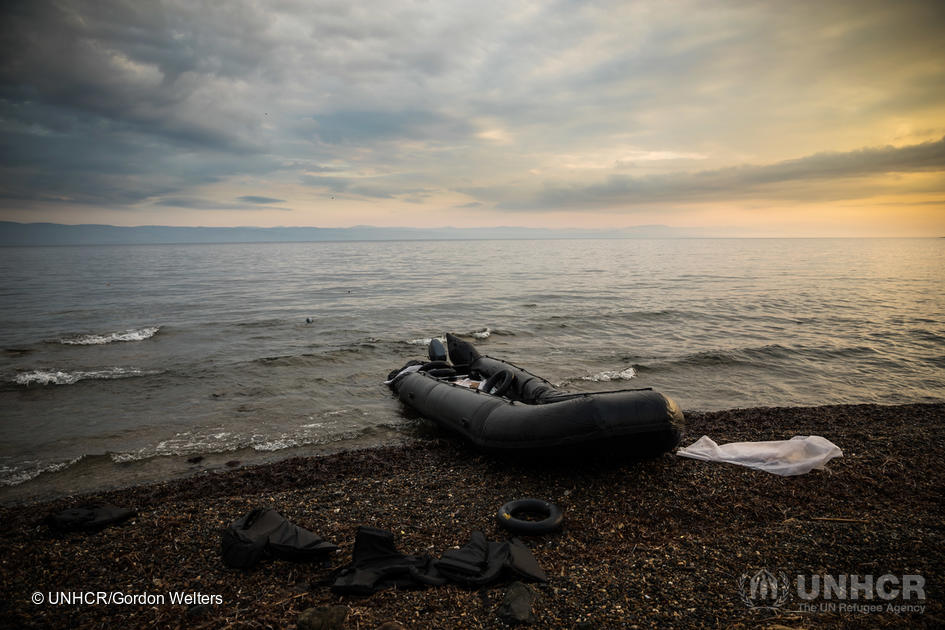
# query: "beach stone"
x,y
323,618
516,606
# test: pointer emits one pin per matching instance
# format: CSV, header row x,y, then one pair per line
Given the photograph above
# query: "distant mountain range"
x,y
20,234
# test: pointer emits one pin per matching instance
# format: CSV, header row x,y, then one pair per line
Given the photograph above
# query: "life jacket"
x,y
481,562
264,533
91,517
376,563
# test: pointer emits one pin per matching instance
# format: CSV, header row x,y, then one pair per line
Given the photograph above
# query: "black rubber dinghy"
x,y
501,407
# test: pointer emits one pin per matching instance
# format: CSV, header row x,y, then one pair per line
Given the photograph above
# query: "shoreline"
x,y
160,469
651,544
179,468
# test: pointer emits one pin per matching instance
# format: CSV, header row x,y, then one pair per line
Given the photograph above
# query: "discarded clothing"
x,y
264,533
89,518
377,564
482,562
797,456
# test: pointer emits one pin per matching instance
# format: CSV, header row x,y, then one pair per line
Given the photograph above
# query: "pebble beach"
x,y
665,542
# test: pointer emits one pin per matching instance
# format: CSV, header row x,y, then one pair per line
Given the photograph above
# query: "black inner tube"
x,y
507,518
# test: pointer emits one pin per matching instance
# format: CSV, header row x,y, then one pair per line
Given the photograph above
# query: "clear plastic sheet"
x,y
797,456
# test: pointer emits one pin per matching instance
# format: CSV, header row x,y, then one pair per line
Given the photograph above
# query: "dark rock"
x,y
233,463
323,618
516,606
195,460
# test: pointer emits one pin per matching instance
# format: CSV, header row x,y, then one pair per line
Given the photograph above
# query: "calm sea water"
x,y
120,364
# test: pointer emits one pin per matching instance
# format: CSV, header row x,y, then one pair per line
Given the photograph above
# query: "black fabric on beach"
x,y
264,533
88,518
482,562
376,564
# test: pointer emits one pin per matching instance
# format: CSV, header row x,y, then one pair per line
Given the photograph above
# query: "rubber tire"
x,y
505,517
499,383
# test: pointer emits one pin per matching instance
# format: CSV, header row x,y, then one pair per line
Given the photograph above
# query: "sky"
x,y
740,118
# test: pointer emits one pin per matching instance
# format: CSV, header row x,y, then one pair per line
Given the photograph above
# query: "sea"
x,y
140,363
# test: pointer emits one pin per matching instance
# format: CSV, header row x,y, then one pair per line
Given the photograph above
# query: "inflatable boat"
x,y
498,406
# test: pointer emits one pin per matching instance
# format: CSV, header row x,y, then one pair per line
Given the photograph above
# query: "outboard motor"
x,y
436,351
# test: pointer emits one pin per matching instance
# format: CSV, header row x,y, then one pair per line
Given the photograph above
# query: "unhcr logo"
x,y
764,589
832,593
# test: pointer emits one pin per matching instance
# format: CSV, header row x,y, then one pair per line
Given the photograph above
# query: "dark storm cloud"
x,y
772,181
94,94
79,162
84,159
112,103
138,65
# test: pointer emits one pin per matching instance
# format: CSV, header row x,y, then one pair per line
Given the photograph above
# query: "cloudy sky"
x,y
747,118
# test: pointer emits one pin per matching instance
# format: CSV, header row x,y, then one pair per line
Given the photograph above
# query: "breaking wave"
x,y
425,341
611,375
61,377
330,426
139,334
12,476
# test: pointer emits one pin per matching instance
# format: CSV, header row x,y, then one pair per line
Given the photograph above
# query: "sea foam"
x,y
138,334
15,475
611,375
62,377
425,341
